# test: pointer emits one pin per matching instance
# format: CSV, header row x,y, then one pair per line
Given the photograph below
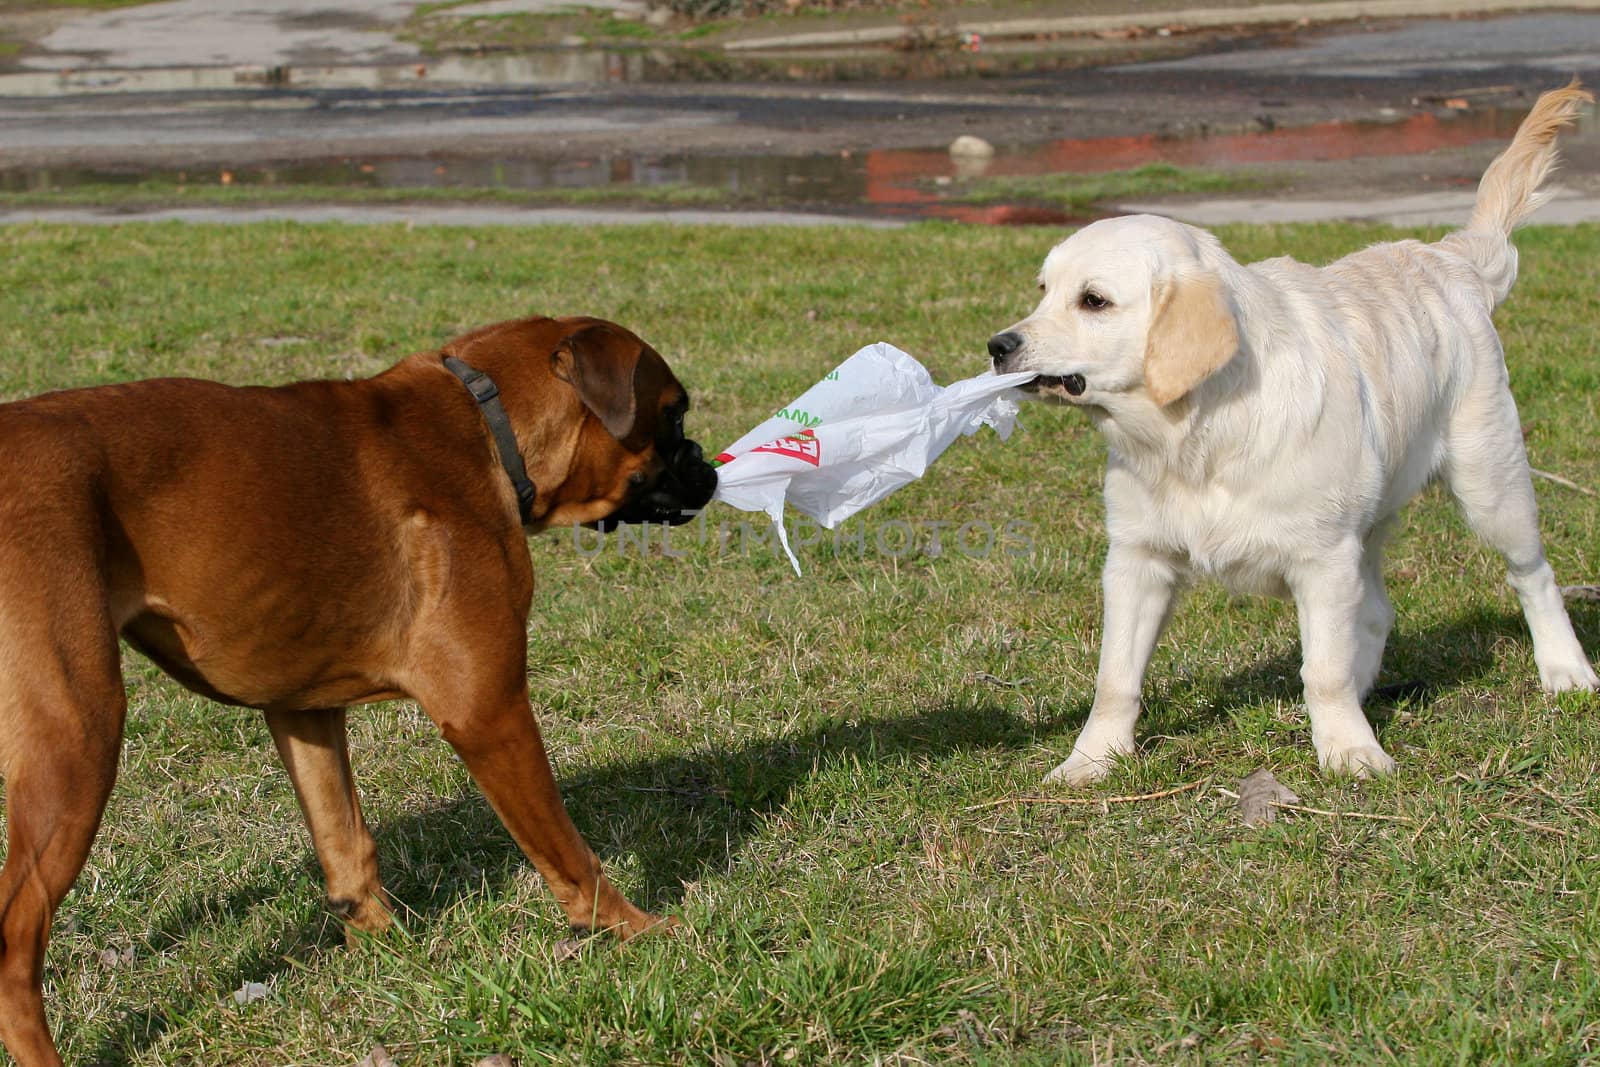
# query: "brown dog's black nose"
x,y
1002,345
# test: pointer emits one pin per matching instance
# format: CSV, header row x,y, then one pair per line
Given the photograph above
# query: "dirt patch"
x,y
20,31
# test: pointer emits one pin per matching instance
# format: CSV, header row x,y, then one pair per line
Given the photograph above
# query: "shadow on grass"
x,y
1419,667
688,815
685,816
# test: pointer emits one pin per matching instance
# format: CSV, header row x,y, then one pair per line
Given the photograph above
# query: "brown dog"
x,y
300,549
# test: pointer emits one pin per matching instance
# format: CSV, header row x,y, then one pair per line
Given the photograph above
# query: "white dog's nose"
x,y
1002,345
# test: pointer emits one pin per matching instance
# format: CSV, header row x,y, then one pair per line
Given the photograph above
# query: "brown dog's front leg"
x,y
315,752
501,745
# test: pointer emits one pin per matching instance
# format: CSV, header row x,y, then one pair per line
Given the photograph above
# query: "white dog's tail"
x,y
1509,191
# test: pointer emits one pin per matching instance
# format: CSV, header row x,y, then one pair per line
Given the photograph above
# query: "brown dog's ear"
x,y
601,364
1194,335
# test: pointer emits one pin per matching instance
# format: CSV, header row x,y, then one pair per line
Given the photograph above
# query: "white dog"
x,y
1267,422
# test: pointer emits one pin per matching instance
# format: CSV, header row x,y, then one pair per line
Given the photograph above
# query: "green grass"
x,y
1079,194
813,772
1083,192
435,28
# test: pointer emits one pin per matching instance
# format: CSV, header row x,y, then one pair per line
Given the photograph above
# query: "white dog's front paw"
x,y
1365,760
1560,677
1083,768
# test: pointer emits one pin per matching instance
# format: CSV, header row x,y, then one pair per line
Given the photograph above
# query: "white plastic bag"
x,y
873,424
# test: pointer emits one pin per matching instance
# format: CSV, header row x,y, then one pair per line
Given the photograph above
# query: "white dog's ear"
x,y
1193,336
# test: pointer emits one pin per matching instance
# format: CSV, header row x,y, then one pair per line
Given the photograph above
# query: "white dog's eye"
x,y
1093,301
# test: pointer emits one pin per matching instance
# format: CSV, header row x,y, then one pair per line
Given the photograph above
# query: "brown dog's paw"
x,y
569,948
669,925
652,926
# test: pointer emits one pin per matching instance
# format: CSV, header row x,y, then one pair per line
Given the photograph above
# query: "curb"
x,y
1192,18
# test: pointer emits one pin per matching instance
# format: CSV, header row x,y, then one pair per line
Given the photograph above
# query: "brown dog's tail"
x,y
1509,191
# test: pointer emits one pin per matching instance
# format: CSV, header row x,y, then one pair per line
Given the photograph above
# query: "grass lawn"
x,y
816,773
444,26
1079,194
1082,193
161,192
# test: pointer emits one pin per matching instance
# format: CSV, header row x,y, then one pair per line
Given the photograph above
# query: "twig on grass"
x,y
1537,473
1004,683
1089,801
692,794
1569,805
1421,829
1305,810
1559,801
1544,828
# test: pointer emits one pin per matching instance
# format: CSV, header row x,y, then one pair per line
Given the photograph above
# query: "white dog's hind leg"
x,y
1140,591
1377,613
1488,473
1329,599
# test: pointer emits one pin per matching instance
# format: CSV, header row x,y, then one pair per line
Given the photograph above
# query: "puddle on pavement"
x,y
904,178
916,183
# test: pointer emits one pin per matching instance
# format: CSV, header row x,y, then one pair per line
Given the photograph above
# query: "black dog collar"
x,y
487,394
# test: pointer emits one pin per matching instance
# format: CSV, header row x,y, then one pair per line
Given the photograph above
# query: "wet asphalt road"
x,y
1269,79
595,106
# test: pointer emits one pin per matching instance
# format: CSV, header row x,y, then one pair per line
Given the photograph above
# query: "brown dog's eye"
x,y
1093,301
